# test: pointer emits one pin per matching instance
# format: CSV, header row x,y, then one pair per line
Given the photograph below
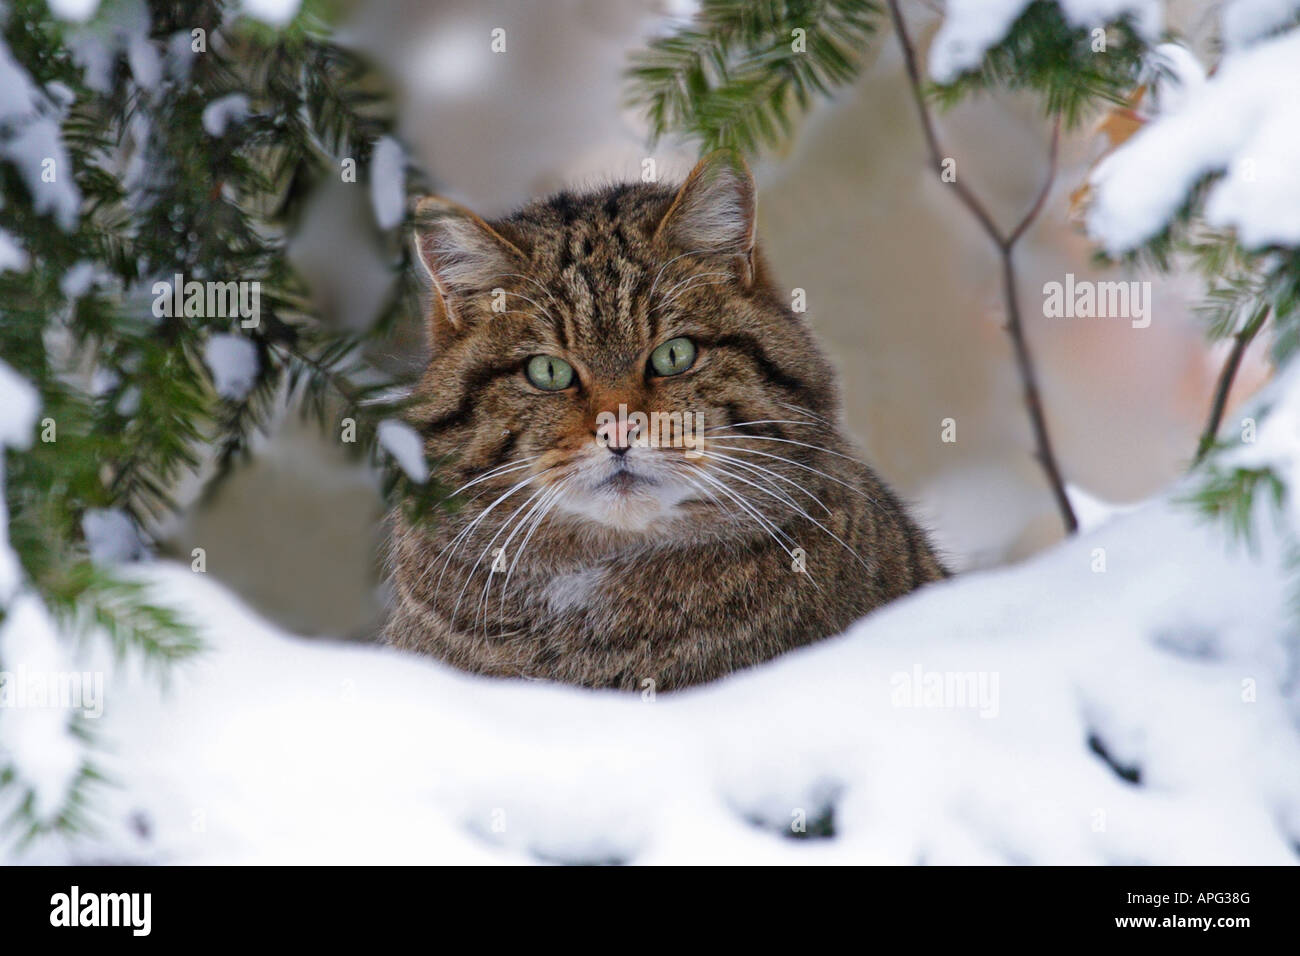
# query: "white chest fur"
x,y
574,590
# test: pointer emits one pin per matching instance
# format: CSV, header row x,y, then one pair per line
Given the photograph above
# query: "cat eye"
x,y
673,357
549,373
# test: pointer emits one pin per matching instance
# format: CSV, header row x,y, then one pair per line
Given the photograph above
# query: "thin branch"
x,y
1005,244
1033,403
1052,152
927,127
1241,341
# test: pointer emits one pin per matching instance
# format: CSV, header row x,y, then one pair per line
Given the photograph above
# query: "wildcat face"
x,y
636,299
605,549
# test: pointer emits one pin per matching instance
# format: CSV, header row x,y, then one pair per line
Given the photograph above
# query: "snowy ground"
x,y
274,749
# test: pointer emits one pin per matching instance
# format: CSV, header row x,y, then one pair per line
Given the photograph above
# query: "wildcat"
x,y
590,548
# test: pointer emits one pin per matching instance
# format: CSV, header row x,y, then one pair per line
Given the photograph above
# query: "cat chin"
x,y
644,510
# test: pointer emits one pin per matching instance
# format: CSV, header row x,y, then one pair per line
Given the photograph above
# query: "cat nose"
x,y
618,436
616,440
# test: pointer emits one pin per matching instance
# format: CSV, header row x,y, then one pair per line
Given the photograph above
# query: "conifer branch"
x,y
1227,375
158,190
736,75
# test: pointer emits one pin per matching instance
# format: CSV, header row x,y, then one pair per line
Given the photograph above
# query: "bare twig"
x,y
1241,341
1006,245
1052,152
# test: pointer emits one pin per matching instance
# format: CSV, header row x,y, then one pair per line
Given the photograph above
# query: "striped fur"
x,y
688,570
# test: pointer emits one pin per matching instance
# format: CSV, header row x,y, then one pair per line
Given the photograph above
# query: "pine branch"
x,y
1043,53
128,392
736,75
73,815
1231,496
1223,388
89,598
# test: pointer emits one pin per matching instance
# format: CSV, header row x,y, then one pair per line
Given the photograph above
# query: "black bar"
x,y
1151,905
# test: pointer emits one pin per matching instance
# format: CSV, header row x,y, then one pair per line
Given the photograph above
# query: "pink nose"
x,y
617,435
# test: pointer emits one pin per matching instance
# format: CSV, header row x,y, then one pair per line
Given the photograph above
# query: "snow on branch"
x,y
1244,122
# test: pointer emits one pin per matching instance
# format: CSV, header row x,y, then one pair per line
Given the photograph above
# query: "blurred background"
x,y
902,287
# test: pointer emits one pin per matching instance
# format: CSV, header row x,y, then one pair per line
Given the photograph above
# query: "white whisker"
x,y
768,527
803,514
537,523
546,495
799,464
758,516
808,412
694,252
545,291
488,547
791,441
761,421
759,469
687,284
499,470
468,529
533,302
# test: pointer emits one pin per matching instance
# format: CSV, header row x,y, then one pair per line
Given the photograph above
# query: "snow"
x,y
129,403
19,406
94,54
111,535
1179,79
949,727
103,380
1243,22
387,182
404,444
123,26
31,148
969,29
1260,194
1244,121
12,256
233,362
972,27
1091,511
35,739
78,11
146,63
267,740
78,280
178,58
275,12
17,92
218,114
1277,407
34,140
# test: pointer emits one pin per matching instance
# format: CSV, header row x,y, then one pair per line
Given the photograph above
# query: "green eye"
x,y
673,357
549,373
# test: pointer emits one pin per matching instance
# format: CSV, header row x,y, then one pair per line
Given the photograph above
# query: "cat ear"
x,y
714,210
462,254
